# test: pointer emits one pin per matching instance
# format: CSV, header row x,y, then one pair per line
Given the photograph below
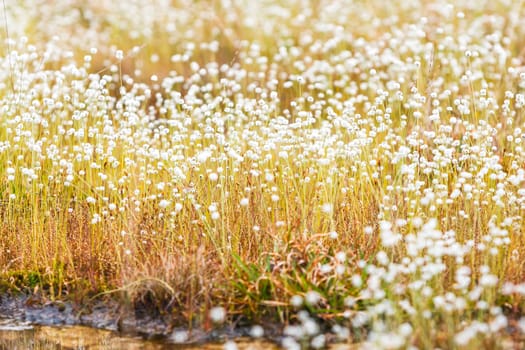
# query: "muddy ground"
x,y
110,315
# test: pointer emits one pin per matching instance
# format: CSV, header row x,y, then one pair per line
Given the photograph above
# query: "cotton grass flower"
x,y
521,325
230,345
164,203
327,208
217,314
203,156
296,301
312,297
256,331
318,342
180,336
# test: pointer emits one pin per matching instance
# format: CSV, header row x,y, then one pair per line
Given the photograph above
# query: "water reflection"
x,y
15,335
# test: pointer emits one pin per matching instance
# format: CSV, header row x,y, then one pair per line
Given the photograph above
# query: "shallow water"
x,y
19,335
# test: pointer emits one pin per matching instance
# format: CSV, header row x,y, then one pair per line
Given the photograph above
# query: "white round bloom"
x,y
312,297
230,345
180,337
256,331
318,342
163,204
203,156
217,314
327,208
296,301
119,55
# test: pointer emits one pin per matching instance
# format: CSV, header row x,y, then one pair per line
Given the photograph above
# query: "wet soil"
x,y
15,335
107,320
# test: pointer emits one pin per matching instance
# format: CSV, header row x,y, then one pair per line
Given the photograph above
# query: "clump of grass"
x,y
271,157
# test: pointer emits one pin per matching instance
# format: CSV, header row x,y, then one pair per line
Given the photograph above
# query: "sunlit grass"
x,y
360,161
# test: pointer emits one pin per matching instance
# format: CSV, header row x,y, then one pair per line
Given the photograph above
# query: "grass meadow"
x,y
352,170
